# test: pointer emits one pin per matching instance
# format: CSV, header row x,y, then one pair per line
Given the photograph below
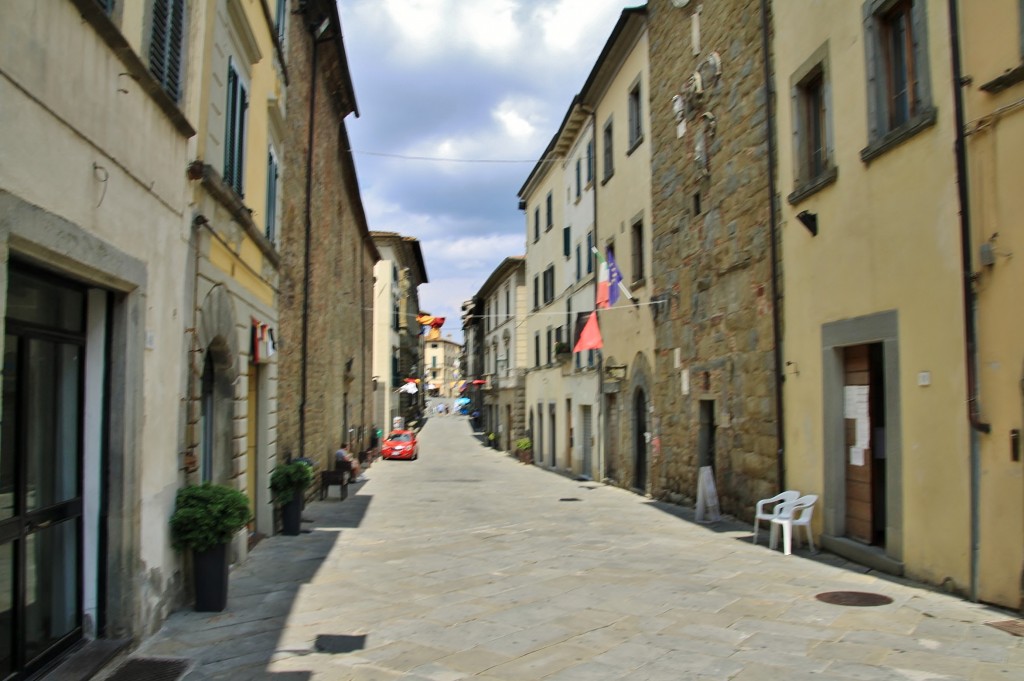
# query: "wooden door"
x,y
857,442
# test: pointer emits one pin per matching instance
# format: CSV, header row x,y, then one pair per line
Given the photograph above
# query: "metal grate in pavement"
x,y
569,499
1015,627
151,669
339,643
861,599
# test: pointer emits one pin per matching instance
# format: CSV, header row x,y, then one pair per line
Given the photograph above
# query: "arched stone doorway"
x,y
640,439
640,421
217,359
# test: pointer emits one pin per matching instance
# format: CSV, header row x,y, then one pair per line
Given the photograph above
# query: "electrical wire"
x,y
440,159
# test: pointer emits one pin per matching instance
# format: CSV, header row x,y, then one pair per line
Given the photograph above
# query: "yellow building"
x,y
992,52
234,91
617,92
874,350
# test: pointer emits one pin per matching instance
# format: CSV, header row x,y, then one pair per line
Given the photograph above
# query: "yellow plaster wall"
x,y
888,240
990,45
627,330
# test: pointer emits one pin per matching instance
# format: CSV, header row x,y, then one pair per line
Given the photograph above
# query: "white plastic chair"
x,y
765,509
789,514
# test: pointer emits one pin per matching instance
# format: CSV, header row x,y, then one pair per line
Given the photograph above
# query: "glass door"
x,y
40,462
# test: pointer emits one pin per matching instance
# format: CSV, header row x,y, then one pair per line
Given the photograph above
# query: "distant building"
x,y
441,359
397,340
502,300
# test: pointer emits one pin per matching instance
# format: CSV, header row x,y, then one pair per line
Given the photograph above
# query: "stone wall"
x,y
338,348
712,257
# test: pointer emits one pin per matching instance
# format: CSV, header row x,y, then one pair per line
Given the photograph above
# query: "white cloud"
x,y
490,26
568,23
515,123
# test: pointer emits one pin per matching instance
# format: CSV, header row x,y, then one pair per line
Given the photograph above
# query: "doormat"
x,y
1014,627
152,669
860,599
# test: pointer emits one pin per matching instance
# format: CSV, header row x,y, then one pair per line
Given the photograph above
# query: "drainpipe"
x,y
773,229
970,328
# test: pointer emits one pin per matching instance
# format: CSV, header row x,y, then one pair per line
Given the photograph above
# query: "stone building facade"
x,y
714,363
324,364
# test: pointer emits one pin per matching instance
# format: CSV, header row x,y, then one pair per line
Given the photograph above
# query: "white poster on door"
x,y
855,408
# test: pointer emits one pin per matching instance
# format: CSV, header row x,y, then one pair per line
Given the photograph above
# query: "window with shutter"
x,y
165,43
273,173
282,13
234,133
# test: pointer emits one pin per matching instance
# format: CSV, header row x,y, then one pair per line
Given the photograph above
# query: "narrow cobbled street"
x,y
468,564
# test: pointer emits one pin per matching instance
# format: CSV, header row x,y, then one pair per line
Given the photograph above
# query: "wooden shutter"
x,y
272,176
165,44
230,131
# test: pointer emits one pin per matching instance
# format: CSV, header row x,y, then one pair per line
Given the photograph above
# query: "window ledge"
x,y
638,284
607,177
636,143
227,197
898,136
1007,79
813,186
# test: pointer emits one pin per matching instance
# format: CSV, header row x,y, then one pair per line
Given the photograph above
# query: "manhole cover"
x,y
151,669
861,599
1015,627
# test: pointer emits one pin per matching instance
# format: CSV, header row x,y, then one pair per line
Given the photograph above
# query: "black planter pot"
x,y
210,576
291,515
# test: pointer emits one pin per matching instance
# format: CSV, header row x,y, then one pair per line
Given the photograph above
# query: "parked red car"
x,y
400,444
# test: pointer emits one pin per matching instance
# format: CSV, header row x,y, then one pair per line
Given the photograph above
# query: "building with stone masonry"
x,y
396,333
324,356
715,387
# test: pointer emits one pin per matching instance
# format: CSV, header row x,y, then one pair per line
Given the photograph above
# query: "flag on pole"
x,y
609,280
590,338
614,279
602,282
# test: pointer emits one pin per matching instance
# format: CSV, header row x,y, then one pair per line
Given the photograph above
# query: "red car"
x,y
400,444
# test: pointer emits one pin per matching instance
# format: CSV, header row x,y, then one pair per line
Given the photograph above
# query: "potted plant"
x,y
524,446
206,518
563,352
287,482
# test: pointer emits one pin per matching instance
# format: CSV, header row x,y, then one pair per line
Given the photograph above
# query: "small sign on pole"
x,y
707,496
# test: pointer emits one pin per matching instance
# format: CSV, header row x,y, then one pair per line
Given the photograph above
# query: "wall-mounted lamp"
x,y
809,220
522,205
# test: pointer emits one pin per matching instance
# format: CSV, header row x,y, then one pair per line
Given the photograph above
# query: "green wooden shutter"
x,y
230,131
165,43
272,175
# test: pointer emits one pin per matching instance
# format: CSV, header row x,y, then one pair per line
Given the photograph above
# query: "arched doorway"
x,y
215,417
640,439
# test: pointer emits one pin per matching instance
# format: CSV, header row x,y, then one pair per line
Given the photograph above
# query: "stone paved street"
x,y
468,564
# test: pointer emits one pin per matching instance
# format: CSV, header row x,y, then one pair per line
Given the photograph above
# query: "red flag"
x,y
590,337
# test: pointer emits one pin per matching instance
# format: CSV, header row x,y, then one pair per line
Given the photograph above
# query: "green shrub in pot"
x,y
207,515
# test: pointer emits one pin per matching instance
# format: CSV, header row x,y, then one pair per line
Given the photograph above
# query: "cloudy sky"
x,y
484,81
